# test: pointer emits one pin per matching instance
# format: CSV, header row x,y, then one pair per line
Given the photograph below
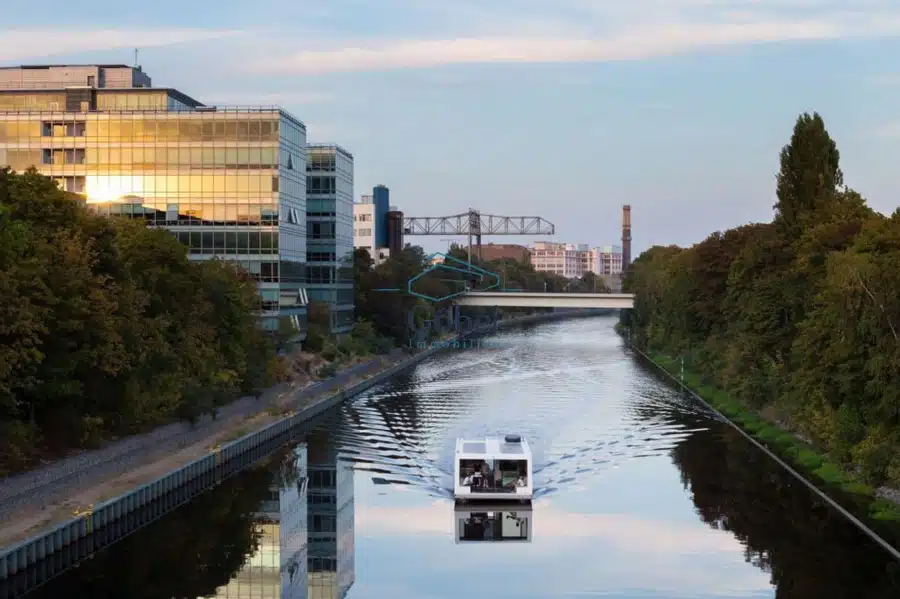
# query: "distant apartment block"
x,y
607,260
370,223
229,182
574,261
563,259
329,223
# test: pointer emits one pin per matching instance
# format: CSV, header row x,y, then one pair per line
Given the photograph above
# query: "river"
x,y
642,494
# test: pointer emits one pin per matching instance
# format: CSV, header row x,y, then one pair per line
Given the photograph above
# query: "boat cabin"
x,y
493,469
493,522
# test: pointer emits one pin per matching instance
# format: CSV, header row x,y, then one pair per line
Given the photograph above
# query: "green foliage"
x,y
388,311
107,328
797,319
327,371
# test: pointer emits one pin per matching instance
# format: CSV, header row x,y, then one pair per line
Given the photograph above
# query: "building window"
x,y
320,185
320,162
321,230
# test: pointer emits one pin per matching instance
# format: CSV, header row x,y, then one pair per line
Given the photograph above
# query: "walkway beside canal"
x,y
51,495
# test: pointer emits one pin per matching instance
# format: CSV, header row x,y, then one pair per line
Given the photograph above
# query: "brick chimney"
x,y
626,236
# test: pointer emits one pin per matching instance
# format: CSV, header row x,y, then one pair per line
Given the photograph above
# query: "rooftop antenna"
x,y
136,65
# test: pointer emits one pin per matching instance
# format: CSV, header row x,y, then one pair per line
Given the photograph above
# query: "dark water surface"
x,y
641,495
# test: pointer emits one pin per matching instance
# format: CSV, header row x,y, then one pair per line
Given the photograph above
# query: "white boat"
x,y
493,522
493,469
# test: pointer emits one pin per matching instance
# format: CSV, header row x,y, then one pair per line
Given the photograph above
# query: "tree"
x,y
107,328
798,317
810,174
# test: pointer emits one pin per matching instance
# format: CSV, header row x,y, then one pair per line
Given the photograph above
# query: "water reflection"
x,y
332,569
187,553
277,568
493,523
808,549
306,527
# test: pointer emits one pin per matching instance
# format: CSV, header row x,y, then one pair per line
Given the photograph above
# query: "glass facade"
x,y
329,218
229,183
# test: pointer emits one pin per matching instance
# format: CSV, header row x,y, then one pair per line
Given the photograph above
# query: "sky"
x,y
563,109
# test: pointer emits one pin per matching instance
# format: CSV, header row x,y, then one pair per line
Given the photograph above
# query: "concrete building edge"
x,y
29,552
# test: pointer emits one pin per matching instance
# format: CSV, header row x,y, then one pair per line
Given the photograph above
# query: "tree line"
x,y
106,327
799,317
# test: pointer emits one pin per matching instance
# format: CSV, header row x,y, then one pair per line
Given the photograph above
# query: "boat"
x,y
493,522
493,469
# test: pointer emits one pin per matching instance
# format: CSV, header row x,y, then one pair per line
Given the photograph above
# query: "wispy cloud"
x,y
888,130
528,31
286,98
16,45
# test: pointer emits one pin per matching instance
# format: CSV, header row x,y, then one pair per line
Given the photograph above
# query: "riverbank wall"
x,y
782,446
105,523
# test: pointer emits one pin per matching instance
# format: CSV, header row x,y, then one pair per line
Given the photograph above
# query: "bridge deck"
x,y
527,299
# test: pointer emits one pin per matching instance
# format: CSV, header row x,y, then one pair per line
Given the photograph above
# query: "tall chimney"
x,y
626,236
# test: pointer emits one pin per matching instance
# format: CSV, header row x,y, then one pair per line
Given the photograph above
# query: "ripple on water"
x,y
564,388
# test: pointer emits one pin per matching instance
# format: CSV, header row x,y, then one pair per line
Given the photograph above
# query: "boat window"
x,y
493,526
494,476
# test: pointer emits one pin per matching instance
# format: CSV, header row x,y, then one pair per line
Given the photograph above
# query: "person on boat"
x,y
485,474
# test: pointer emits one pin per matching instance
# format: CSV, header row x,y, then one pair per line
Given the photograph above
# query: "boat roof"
x,y
493,446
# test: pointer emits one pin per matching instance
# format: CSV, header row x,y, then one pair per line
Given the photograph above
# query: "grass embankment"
x,y
807,459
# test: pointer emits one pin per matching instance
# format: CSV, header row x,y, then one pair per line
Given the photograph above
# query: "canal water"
x,y
641,494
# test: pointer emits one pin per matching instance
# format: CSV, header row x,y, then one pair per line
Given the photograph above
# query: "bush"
x,y
327,371
315,340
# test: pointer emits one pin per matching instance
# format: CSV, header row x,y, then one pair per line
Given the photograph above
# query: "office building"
x,y
230,183
370,223
329,223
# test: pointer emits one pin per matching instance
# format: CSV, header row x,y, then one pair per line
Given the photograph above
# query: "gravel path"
x,y
40,497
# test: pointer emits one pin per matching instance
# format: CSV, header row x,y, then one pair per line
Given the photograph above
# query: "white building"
x,y
563,259
573,261
607,260
365,229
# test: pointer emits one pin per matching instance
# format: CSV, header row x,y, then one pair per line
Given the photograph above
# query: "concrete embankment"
x,y
70,535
